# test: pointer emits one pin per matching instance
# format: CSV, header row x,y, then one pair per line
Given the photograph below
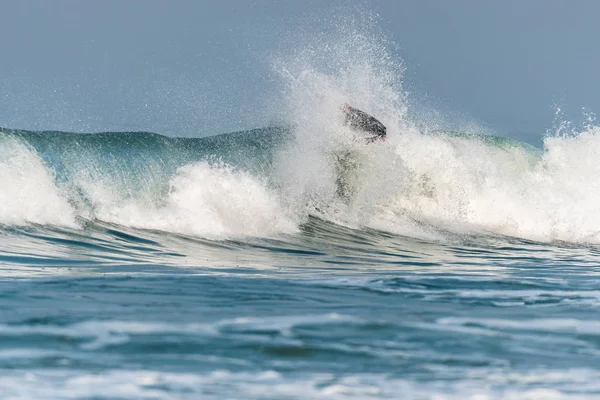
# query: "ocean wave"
x,y
415,184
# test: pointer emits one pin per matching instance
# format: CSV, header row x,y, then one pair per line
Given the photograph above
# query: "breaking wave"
x,y
421,182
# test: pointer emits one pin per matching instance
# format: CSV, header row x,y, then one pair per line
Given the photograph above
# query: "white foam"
x,y
28,193
284,324
204,200
269,384
462,182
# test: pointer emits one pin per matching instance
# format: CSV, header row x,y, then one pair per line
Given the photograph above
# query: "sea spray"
x,y
327,168
419,182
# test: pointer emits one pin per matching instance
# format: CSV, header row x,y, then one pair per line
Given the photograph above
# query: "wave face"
x,y
207,187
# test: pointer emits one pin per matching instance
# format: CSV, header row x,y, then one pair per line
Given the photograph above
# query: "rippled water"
x,y
329,312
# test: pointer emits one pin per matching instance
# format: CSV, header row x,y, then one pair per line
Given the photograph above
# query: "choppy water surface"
x,y
328,312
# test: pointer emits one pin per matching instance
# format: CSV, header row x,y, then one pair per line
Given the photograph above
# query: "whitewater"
x,y
457,264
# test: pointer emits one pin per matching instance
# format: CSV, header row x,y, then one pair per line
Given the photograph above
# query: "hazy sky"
x,y
191,68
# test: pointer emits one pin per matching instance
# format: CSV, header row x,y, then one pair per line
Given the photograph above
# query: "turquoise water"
x,y
135,266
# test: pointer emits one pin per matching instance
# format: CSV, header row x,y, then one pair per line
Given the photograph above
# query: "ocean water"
x,y
452,265
140,266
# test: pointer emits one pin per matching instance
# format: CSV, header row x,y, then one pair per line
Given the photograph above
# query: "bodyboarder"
x,y
346,161
360,120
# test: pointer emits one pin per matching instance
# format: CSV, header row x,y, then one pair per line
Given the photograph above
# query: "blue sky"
x,y
192,68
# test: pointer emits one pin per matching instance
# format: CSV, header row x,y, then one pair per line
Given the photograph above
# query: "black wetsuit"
x,y
362,121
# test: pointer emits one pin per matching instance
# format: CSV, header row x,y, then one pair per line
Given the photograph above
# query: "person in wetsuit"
x,y
364,122
346,160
